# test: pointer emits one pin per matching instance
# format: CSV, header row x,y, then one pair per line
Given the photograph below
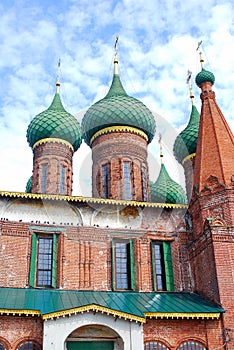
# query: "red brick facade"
x,y
113,149
82,234
56,157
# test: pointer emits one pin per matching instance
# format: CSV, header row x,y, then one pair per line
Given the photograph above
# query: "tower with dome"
x,y
140,264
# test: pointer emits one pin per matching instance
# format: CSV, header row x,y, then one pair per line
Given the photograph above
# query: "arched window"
x,y
2,346
29,345
155,345
191,345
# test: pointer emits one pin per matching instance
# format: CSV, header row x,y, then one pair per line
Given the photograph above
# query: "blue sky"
x,y
157,45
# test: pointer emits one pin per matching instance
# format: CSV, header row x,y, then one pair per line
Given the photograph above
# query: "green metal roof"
x,y
186,142
166,190
129,305
117,109
204,76
55,122
28,188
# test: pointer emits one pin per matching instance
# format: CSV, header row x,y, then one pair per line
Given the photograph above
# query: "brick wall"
x,y
173,332
113,149
16,329
55,155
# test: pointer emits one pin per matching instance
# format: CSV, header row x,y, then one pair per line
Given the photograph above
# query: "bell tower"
x,y
212,203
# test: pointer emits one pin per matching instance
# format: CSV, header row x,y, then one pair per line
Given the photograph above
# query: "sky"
x,y
157,46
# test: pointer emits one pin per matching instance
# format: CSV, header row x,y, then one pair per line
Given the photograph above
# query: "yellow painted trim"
x,y
19,312
190,156
53,140
56,197
185,315
93,308
119,129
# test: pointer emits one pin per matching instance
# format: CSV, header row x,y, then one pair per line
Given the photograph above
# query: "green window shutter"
x,y
113,264
132,272
54,261
33,261
168,267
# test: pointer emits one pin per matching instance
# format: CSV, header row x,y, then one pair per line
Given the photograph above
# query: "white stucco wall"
x,y
56,331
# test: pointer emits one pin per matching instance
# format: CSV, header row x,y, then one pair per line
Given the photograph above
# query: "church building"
x,y
140,265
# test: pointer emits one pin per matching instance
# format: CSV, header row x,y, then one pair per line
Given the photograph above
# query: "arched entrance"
x,y
94,337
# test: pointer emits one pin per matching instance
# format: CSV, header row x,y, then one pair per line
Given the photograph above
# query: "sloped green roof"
x,y
28,188
130,305
204,76
117,109
55,122
166,190
186,142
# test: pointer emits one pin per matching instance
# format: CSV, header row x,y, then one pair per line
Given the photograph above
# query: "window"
x,y
127,181
162,270
191,345
29,345
2,346
43,178
43,261
144,184
105,174
123,264
155,345
62,179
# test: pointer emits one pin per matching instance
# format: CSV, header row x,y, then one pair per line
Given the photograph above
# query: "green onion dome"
x,y
166,190
117,109
186,142
204,76
55,122
29,185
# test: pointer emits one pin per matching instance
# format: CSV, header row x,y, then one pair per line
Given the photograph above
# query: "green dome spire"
x,y
55,122
166,190
117,109
204,76
186,142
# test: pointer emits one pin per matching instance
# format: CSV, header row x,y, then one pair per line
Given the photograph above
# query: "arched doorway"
x,y
94,337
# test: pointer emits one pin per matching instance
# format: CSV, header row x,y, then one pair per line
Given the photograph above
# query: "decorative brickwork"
x,y
52,168
16,329
113,149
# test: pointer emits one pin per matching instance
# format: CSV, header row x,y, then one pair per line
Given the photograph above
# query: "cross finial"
x,y
58,76
188,81
116,53
160,145
200,53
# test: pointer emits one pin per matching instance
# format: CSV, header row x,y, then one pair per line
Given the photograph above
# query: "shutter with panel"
x,y
33,261
54,261
168,267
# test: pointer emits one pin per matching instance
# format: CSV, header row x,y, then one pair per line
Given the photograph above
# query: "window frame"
x,y
33,274
33,345
144,184
155,345
62,182
191,344
105,180
44,171
127,181
166,266
129,264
